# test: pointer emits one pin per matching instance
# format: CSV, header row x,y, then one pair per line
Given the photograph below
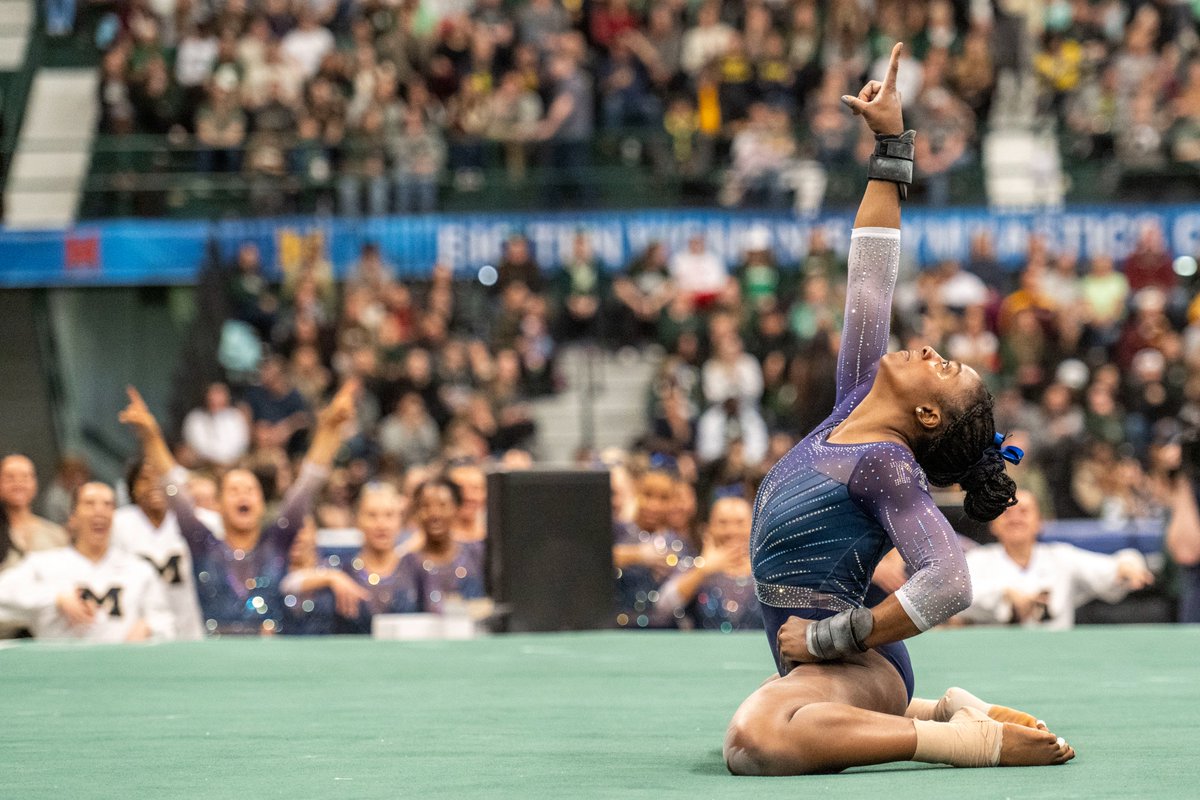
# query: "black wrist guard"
x,y
841,635
893,160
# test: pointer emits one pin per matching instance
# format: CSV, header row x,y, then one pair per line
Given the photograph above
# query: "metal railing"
x,y
140,175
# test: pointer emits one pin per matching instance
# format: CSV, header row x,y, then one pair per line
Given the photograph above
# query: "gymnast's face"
x,y
729,524
241,501
925,381
655,494
1019,525
379,519
435,511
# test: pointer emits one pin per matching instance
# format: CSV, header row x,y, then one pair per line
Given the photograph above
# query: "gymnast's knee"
x,y
746,750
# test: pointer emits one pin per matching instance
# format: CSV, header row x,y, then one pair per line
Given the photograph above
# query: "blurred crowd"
x,y
1095,366
374,104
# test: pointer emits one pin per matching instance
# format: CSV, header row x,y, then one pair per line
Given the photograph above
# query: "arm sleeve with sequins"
x,y
888,485
298,502
873,265
198,536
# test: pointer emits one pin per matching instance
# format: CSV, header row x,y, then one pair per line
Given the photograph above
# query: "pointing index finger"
x,y
889,81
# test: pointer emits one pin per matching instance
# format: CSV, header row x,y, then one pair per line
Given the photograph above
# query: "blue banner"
x,y
129,252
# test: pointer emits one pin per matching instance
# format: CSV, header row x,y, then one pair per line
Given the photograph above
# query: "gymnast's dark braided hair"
x,y
964,451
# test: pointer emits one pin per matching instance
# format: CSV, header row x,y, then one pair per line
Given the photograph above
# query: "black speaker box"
x,y
550,549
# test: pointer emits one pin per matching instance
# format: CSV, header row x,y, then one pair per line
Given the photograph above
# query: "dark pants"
x,y
567,179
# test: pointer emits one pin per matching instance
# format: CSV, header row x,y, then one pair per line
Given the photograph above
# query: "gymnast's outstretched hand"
x,y
879,103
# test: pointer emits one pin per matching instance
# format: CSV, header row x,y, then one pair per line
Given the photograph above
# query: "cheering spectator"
x,y
1022,581
149,529
239,576
91,590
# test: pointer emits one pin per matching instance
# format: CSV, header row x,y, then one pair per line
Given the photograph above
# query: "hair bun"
x,y
989,488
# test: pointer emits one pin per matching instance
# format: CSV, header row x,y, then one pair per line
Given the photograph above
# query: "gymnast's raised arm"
x,y
874,245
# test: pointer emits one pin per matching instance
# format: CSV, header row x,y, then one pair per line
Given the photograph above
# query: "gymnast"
x,y
838,501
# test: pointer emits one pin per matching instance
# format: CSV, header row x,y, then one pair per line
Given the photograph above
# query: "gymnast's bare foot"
x,y
1023,746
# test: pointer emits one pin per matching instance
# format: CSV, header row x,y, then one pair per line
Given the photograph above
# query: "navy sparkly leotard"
x,y
827,513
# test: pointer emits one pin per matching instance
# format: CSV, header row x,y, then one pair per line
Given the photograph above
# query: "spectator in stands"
x,y
518,265
220,132
707,40
642,293
309,42
1141,139
948,127
626,90
250,297
816,311
581,287
217,433
1021,581
567,130
959,289
730,422
732,372
761,281
540,21
1104,293
762,150
513,114
409,434
90,591
239,577
717,593
975,343
149,529
364,156
1150,264
699,273
18,487
419,155
443,569
470,523
372,272
277,411
71,473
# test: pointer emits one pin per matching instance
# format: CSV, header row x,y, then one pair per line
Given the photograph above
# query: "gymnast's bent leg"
x,y
826,717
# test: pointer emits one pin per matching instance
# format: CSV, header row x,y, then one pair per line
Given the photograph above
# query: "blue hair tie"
x,y
1012,454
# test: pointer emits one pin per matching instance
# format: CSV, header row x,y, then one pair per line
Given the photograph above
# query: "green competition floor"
x,y
585,715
